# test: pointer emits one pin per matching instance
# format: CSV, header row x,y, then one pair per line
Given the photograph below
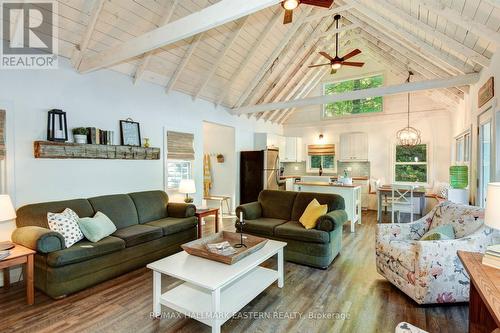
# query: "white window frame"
x,y
463,157
358,77
310,169
189,174
428,163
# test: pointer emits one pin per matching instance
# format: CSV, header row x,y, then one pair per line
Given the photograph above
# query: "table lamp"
x,y
7,213
492,220
187,187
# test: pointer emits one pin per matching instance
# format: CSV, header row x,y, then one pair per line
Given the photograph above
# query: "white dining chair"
x,y
402,201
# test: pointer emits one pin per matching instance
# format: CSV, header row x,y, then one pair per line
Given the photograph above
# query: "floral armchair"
x,y
430,271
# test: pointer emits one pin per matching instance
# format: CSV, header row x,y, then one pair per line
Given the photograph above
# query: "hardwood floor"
x,y
350,291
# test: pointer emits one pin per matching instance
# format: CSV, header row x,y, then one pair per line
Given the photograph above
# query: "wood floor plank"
x,y
350,290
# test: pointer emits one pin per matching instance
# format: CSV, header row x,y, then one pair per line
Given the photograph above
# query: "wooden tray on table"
x,y
198,247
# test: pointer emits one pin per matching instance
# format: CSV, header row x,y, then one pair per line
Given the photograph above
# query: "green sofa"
x,y
276,216
148,228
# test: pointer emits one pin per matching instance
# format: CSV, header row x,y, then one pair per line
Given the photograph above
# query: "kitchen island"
x,y
350,193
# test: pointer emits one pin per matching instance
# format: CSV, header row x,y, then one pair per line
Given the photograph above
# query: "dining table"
x,y
384,192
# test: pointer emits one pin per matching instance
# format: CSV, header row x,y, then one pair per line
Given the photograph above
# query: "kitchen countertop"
x,y
334,177
326,184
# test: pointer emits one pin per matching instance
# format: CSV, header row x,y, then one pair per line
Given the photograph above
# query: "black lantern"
x,y
57,127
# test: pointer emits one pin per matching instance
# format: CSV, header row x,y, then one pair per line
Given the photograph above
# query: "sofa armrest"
x,y
251,211
180,210
404,231
332,220
39,239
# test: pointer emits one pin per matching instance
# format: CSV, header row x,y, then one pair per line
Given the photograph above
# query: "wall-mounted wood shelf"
x,y
63,150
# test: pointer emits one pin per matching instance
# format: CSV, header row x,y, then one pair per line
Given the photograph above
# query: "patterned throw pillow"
x,y
442,232
66,223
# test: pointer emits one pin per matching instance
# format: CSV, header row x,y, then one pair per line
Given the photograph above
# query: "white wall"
x,y
219,139
428,116
99,99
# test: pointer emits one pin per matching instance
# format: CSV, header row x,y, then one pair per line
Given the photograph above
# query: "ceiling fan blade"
x,y
312,66
288,17
354,64
326,55
333,71
352,54
319,3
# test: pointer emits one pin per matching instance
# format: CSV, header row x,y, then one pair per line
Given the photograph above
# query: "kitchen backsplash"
x,y
359,169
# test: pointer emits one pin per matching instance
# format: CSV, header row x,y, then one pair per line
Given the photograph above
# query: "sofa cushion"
x,y
295,230
312,213
151,205
119,208
173,225
277,204
303,199
36,214
262,226
138,234
85,250
97,227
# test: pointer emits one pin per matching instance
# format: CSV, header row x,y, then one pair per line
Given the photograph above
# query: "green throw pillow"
x,y
97,227
443,232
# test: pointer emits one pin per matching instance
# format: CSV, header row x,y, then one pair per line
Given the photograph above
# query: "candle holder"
x,y
241,223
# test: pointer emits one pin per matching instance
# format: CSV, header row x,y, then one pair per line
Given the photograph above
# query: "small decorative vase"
x,y
146,143
79,138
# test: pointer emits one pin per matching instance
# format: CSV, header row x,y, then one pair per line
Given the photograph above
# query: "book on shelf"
x,y
491,261
97,136
4,254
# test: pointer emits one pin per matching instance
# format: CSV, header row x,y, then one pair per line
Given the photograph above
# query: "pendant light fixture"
x,y
408,136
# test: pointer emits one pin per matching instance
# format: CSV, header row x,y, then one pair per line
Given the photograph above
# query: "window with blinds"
x,y
321,156
180,154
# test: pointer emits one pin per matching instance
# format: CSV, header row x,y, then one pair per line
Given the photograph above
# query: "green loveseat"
x,y
276,216
148,228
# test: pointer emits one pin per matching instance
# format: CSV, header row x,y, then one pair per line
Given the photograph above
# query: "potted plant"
x,y
80,135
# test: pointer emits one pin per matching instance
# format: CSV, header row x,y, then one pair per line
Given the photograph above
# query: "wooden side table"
x,y
201,213
484,302
20,255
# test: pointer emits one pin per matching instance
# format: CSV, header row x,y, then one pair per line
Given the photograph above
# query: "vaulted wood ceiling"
x,y
256,59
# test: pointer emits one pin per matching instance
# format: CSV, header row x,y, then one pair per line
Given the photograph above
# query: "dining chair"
x,y
402,201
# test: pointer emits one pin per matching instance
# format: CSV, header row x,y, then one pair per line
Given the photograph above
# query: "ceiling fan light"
x,y
290,4
336,65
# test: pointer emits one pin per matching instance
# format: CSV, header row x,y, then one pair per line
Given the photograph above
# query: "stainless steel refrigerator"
x,y
258,170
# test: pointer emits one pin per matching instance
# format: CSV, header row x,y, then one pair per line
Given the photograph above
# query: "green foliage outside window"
x,y
326,162
411,164
358,106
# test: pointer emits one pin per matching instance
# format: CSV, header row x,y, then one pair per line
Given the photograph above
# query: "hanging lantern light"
x,y
408,136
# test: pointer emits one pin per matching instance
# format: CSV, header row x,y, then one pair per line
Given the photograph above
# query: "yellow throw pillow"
x,y
313,211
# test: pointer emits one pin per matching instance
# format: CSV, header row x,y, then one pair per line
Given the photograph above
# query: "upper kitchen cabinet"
x,y
353,147
264,141
293,150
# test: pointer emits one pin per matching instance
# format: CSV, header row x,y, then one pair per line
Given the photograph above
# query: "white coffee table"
x,y
213,292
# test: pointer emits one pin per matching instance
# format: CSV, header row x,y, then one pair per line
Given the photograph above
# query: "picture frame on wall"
x,y
130,133
486,92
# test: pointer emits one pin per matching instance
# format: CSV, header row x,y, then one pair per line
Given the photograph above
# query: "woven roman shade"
x,y
2,135
180,146
320,150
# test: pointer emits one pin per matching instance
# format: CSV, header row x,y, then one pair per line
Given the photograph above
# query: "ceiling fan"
x,y
337,62
290,5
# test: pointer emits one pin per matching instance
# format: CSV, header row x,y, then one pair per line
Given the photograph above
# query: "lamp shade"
x,y
187,186
492,214
7,211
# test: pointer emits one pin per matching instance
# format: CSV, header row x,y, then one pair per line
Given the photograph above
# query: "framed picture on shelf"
x,y
130,133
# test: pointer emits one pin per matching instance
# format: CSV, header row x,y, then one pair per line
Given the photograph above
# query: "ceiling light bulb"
x,y
336,65
290,4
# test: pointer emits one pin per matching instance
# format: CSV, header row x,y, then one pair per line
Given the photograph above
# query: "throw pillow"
x,y
443,232
312,213
66,223
97,227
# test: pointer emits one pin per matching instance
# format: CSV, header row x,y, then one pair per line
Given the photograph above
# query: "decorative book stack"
x,y
492,256
4,254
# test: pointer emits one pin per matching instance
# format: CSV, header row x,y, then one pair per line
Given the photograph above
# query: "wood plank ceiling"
x,y
256,59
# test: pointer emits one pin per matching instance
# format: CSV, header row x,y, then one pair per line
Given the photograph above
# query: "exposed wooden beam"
x,y
208,18
144,62
253,50
194,44
97,6
222,54
494,3
339,30
272,58
447,61
449,42
326,13
454,81
479,29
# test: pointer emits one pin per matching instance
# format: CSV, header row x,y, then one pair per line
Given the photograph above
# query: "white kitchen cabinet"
x,y
264,141
282,147
293,150
353,147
